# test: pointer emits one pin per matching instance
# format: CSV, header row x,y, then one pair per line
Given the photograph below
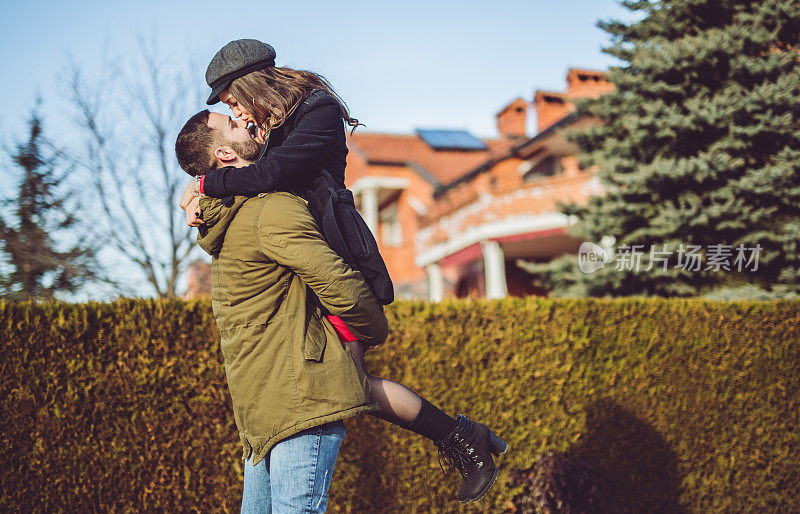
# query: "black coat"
x,y
309,141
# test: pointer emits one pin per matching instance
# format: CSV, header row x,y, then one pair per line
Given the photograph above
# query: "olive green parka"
x,y
286,368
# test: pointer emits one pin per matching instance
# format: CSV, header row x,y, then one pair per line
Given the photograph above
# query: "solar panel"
x,y
451,140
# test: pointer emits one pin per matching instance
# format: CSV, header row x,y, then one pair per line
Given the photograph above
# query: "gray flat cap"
x,y
234,60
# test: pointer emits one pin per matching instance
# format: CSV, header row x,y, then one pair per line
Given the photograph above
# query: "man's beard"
x,y
246,150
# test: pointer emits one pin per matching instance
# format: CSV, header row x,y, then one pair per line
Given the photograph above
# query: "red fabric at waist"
x,y
341,329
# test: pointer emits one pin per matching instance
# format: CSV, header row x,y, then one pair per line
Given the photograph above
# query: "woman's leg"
x,y
402,406
399,404
467,445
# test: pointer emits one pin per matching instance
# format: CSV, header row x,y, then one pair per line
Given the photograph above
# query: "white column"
x,y
369,209
435,282
494,265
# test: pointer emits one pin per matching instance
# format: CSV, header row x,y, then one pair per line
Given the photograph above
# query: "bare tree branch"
x,y
129,119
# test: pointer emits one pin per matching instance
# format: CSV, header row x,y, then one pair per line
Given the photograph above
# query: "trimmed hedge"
x,y
681,405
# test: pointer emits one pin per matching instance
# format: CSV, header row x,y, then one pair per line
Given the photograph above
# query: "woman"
x,y
243,75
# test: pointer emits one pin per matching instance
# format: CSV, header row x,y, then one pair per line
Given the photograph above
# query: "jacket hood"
x,y
217,217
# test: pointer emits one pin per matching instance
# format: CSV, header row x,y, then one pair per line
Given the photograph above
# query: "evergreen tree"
x,y
37,269
699,144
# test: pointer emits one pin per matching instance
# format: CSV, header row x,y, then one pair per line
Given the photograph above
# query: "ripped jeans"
x,y
295,474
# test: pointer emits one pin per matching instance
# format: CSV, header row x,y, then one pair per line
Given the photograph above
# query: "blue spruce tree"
x,y
699,145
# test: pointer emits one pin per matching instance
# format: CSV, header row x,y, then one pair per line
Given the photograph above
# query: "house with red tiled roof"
x,y
393,178
455,215
457,220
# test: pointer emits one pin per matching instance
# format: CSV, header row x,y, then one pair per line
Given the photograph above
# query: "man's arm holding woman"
x,y
288,234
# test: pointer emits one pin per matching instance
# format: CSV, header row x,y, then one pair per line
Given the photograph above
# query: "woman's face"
x,y
238,111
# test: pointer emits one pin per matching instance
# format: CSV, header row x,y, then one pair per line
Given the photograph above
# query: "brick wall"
x,y
199,280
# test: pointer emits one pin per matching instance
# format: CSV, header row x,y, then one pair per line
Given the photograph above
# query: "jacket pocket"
x,y
315,338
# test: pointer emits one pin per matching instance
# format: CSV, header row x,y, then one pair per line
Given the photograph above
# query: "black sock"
x,y
432,422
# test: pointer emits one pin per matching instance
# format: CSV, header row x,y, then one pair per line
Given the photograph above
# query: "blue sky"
x,y
399,65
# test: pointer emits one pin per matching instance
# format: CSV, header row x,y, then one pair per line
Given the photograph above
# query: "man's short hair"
x,y
195,143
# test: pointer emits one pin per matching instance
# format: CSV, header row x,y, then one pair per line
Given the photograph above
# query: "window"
x,y
549,166
391,231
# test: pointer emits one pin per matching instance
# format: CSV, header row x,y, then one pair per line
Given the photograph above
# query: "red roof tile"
x,y
444,165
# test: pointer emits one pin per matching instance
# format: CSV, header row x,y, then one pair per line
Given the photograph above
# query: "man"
x,y
291,379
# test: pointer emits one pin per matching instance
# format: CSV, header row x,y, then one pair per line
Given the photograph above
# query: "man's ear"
x,y
225,154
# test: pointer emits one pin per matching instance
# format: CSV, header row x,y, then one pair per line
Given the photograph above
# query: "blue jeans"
x,y
295,474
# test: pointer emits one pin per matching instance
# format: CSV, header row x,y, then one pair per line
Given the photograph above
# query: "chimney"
x,y
511,119
550,107
583,83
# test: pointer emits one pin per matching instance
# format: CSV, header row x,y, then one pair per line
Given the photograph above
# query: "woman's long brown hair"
x,y
271,93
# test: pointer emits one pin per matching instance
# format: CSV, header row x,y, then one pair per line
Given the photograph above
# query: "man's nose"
x,y
240,123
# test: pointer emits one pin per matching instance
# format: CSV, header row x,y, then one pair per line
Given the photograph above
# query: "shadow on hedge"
x,y
621,465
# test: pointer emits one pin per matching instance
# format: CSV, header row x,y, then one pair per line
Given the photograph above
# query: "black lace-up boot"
x,y
469,448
